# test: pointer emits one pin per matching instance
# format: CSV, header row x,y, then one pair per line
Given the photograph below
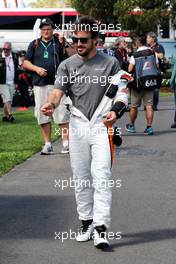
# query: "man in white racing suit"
x,y
85,77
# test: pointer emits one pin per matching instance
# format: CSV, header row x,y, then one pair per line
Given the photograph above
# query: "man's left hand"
x,y
110,119
47,109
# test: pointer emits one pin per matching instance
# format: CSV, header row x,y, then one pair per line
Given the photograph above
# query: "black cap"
x,y
46,21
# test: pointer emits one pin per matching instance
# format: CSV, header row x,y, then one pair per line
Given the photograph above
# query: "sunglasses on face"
x,y
4,49
82,40
22,55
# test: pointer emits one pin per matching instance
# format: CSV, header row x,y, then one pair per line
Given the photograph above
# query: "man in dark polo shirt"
x,y
42,58
159,52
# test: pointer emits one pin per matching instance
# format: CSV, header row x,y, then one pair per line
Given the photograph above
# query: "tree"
x,y
141,17
100,9
138,16
172,9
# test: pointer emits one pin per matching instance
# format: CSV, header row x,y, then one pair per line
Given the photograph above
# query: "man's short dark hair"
x,y
88,24
141,39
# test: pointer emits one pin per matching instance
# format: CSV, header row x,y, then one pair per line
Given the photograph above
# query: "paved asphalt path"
x,y
32,209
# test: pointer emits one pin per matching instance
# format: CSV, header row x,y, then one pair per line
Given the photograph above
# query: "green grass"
x,y
162,94
20,140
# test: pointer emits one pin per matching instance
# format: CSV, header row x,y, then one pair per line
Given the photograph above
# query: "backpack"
x,y
146,71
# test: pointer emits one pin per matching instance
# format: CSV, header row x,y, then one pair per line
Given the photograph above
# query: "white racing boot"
x,y
86,231
100,240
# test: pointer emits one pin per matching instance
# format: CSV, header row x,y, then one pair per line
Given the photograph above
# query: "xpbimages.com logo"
x,y
87,27
71,235
76,77
98,184
87,132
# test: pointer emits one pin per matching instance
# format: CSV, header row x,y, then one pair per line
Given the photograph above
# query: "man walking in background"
x,y
159,52
42,59
8,78
145,64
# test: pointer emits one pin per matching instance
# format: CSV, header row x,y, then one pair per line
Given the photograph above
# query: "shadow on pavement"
x,y
35,216
145,237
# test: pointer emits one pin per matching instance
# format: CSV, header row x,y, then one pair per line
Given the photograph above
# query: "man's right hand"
x,y
47,109
41,71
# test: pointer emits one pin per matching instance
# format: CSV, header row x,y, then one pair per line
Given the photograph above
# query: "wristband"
x,y
119,108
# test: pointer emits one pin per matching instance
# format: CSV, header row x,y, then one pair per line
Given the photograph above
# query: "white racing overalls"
x,y
91,162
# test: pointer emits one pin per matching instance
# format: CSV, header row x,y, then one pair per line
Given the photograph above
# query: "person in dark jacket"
x,y
159,52
8,79
121,53
173,86
24,82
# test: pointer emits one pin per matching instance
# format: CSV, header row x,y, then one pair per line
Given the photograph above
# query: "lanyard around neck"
x,y
122,52
45,46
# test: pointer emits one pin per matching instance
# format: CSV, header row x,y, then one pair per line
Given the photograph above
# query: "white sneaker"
x,y
86,232
47,150
65,150
99,236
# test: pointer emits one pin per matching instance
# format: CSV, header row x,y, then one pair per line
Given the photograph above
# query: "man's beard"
x,y
84,52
